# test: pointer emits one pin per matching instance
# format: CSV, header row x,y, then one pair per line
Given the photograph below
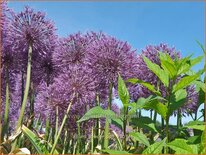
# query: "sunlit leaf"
x,y
155,148
122,91
98,112
140,137
180,146
160,73
145,84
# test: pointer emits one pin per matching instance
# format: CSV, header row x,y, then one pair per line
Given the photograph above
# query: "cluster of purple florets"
x,y
74,69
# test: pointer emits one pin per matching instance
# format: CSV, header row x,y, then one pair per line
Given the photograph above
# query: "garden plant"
x,y
62,95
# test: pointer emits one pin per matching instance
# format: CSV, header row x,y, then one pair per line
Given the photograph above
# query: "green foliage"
x,y
140,137
145,84
122,91
114,152
161,74
98,112
180,146
144,123
39,144
155,148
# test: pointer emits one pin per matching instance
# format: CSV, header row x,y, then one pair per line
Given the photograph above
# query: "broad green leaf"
x,y
178,100
40,147
160,73
191,123
160,108
166,57
145,123
185,81
115,151
122,91
168,64
98,112
194,140
155,148
145,84
140,137
180,94
180,146
194,148
182,65
197,127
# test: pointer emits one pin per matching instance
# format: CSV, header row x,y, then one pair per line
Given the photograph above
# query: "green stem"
x,y
106,131
26,93
92,141
78,138
47,129
155,117
124,128
178,120
6,115
97,132
61,127
167,134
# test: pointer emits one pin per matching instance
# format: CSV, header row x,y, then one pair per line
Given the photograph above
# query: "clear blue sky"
x,y
140,23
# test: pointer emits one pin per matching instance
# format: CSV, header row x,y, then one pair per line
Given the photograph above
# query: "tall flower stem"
x,y
26,92
61,127
178,120
97,132
6,115
124,128
106,131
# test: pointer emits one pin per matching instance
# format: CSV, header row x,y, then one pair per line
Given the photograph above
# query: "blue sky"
x,y
140,23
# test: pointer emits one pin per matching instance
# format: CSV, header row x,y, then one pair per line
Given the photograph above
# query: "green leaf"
x,y
115,151
178,100
38,144
122,91
201,46
98,112
145,84
180,146
185,81
197,127
155,148
140,137
194,140
160,73
168,64
145,123
160,108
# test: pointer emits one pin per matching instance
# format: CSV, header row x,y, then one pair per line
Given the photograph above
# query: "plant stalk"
x,y
6,115
106,131
26,92
61,127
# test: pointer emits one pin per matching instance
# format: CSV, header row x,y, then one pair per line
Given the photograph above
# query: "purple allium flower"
x,y
60,93
191,104
107,57
70,51
30,28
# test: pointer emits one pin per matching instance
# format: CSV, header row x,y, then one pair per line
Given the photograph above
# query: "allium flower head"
x,y
61,93
71,51
31,28
107,57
